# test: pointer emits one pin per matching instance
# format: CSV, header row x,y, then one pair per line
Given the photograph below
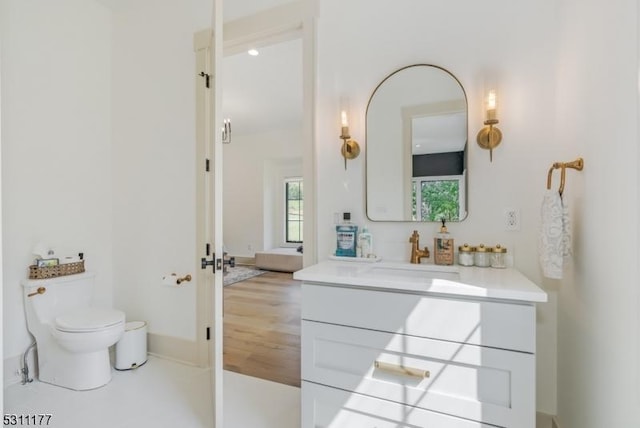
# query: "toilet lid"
x,y
90,319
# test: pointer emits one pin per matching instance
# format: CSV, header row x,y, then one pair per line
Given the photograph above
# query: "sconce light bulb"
x,y
345,121
491,100
226,131
491,106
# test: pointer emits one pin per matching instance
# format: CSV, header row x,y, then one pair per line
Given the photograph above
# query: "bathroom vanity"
x,y
391,345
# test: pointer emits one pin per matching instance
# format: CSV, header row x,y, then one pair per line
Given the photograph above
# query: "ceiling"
x,y
234,9
439,133
263,93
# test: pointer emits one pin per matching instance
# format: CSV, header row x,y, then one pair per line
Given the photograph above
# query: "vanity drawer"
x,y
473,382
488,323
325,407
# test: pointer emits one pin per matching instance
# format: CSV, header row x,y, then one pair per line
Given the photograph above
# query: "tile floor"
x,y
163,394
160,394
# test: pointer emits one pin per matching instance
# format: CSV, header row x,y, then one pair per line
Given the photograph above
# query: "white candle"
x,y
491,105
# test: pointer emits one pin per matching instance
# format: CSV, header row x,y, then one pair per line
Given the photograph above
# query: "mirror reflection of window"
x,y
438,140
439,197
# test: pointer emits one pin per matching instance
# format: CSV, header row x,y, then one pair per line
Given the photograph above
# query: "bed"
x,y
279,259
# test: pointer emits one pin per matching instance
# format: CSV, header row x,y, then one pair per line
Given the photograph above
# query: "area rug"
x,y
240,273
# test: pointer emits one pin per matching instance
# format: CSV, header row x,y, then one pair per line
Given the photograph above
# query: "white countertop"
x,y
506,284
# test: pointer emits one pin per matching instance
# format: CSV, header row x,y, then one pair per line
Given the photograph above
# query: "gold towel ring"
x,y
577,164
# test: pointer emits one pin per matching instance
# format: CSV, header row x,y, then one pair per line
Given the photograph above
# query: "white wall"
x,y
276,172
599,303
360,42
56,144
154,160
252,165
1,260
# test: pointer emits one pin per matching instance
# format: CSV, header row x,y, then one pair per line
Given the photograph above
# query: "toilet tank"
x,y
61,295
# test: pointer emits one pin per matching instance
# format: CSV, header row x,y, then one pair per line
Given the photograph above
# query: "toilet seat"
x,y
88,320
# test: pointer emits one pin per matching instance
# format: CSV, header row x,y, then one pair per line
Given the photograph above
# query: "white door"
x,y
208,49
293,20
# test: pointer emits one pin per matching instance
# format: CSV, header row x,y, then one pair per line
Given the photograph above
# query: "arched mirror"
x,y
416,152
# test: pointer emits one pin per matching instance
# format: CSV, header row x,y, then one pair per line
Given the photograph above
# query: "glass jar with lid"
x,y
482,256
465,255
499,257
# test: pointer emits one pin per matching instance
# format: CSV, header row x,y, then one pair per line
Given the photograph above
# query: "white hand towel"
x,y
555,238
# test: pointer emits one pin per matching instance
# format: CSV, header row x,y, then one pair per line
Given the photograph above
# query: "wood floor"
x,y
262,328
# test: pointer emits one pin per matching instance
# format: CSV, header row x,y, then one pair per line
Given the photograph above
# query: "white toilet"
x,y
72,336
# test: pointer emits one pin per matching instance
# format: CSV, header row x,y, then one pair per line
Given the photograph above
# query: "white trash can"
x,y
131,349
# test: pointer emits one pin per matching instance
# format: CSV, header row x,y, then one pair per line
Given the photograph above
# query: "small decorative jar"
x,y
499,257
465,255
482,256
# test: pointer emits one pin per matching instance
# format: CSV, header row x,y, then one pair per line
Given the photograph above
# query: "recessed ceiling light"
x,y
253,52
418,146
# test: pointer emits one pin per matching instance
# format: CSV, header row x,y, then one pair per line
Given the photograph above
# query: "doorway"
x,y
263,209
285,23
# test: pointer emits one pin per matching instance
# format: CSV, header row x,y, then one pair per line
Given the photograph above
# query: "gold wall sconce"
x,y
226,131
350,148
490,136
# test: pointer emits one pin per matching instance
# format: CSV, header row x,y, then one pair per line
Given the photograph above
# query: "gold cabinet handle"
x,y
40,290
397,369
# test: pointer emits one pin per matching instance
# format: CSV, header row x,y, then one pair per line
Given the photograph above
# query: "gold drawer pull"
x,y
40,290
402,370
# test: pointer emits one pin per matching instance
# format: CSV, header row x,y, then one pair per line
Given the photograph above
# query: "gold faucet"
x,y
416,252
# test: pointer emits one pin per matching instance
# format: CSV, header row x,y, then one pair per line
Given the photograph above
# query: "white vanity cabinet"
x,y
375,356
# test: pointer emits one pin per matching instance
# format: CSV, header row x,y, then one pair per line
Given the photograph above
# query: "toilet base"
x,y
77,371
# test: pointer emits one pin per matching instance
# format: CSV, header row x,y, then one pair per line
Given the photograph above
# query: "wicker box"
x,y
45,272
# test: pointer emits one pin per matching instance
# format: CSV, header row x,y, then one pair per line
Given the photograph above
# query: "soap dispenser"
x,y
365,243
443,246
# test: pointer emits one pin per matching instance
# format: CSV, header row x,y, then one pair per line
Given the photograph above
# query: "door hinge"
x,y
207,165
206,78
208,249
208,333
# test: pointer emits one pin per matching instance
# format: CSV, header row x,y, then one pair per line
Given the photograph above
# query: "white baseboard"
x,y
544,420
173,348
245,261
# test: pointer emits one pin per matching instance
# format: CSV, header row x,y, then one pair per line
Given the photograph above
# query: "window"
x,y
294,211
435,198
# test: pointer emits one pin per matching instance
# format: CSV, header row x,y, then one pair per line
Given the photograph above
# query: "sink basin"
x,y
415,272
